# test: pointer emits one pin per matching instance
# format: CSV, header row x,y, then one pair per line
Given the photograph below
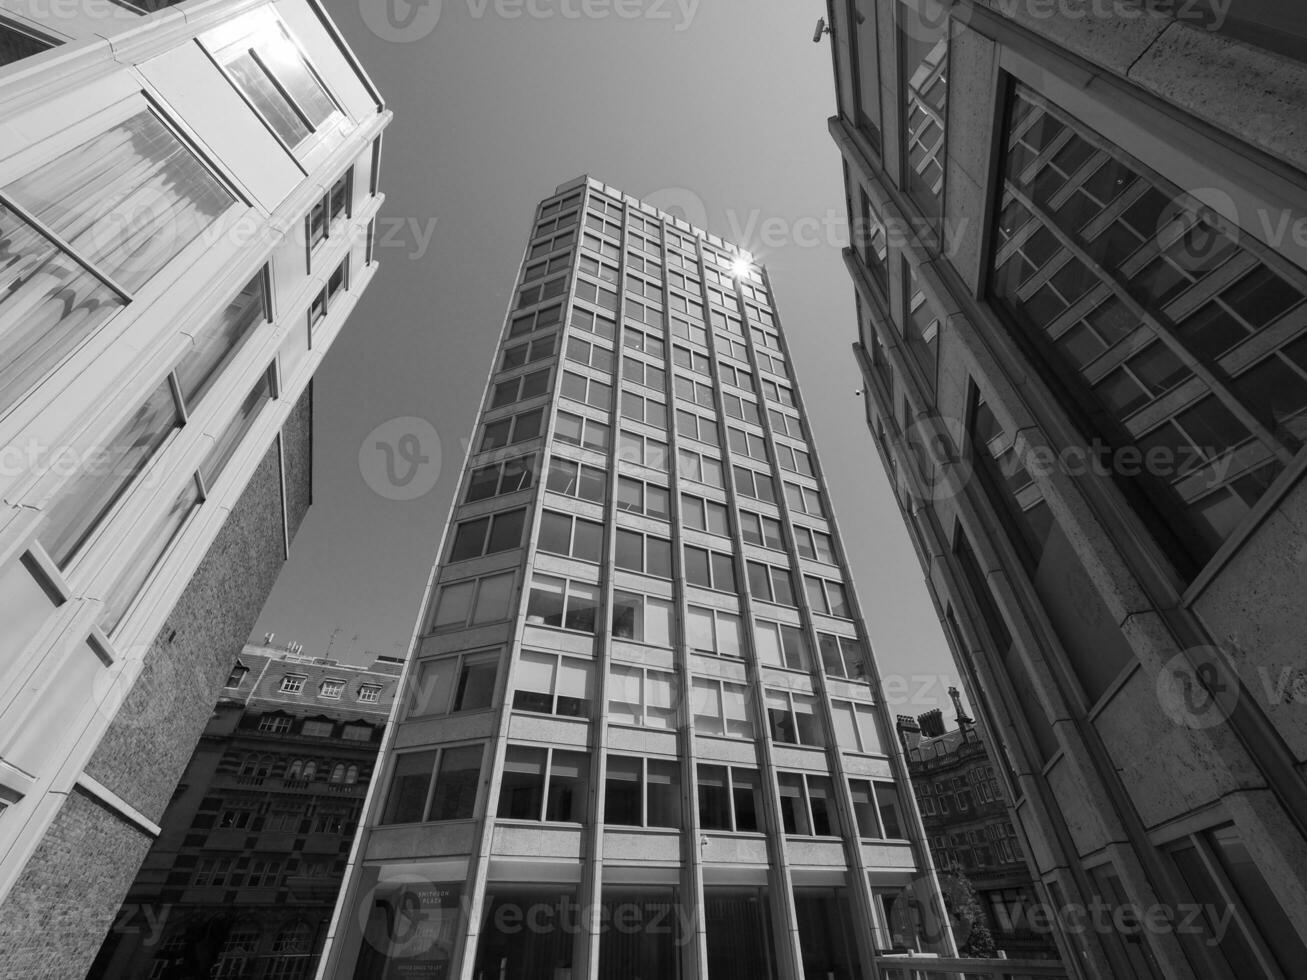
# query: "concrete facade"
x,y
641,731
1081,334
243,876
184,244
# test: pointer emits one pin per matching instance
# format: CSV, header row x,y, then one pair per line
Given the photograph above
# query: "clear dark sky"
x,y
718,107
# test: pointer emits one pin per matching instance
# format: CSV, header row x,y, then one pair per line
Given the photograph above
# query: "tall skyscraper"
x,y
640,734
1084,338
187,194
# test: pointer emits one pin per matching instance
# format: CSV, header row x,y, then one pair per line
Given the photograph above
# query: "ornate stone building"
x,y
243,877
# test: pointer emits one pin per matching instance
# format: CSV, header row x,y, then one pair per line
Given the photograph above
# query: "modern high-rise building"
x,y
1083,329
243,877
187,194
640,734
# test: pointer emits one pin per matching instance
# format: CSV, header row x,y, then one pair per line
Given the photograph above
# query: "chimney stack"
x,y
932,723
909,732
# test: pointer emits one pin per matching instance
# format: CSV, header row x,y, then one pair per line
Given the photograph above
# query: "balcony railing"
x,y
932,968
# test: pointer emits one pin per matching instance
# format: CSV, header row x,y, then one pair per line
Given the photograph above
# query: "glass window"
x,y
729,798
152,547
82,503
457,780
550,684
231,437
721,708
270,71
640,696
1263,908
126,202
409,788
218,341
19,42
507,949
641,618
826,930
522,787
1213,447
887,806
923,67
643,792
558,602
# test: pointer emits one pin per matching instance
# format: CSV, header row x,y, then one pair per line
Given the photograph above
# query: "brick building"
x,y
243,877
969,827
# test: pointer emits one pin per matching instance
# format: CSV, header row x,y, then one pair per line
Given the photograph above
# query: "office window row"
x,y
488,535
541,319
528,352
520,388
474,602
577,480
511,431
641,497
436,784
575,430
546,267
496,479
554,223
559,204
449,685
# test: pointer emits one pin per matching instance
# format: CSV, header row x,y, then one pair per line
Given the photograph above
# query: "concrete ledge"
x,y
1252,94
